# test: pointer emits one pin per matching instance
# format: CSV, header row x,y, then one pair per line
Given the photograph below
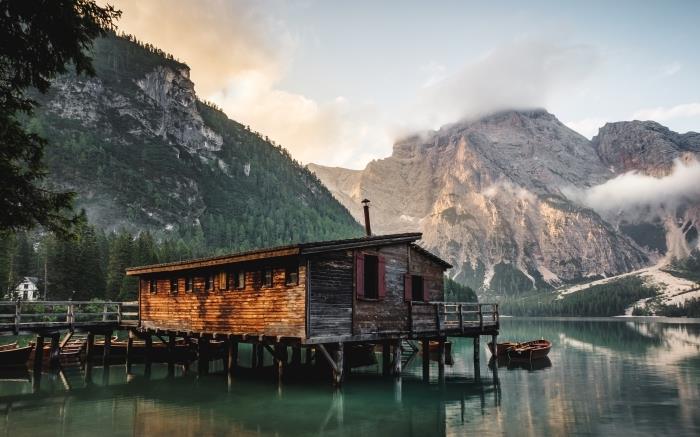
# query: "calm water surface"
x,y
605,377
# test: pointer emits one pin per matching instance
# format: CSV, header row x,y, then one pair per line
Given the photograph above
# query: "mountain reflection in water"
x,y
607,376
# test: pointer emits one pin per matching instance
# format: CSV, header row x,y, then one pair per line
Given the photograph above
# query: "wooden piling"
x,y
339,366
386,358
38,356
397,358
148,340
477,351
261,356
55,354
107,349
441,359
425,346
171,354
90,347
232,357
129,350
203,355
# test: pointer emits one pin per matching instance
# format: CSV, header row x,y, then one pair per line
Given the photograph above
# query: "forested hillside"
x,y
161,175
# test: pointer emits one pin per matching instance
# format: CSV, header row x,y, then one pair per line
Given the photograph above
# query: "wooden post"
x,y
38,356
203,355
386,358
129,350
461,318
426,359
477,357
224,355
148,340
18,315
261,356
397,358
232,357
171,354
90,347
296,356
338,371
55,354
441,359
107,349
280,358
308,355
494,341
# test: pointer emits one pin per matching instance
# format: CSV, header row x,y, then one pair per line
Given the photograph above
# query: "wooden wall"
x,y
331,294
433,275
276,310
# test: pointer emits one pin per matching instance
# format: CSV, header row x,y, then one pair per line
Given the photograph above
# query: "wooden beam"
x,y
38,355
325,353
90,347
55,354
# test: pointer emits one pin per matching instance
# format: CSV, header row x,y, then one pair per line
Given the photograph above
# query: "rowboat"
x,y
529,350
13,356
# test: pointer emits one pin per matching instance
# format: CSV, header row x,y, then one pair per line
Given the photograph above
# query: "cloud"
x,y
239,52
526,73
588,127
634,191
663,113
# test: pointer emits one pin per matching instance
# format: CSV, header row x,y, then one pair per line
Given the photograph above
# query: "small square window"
x,y
291,275
189,284
173,286
223,280
266,277
239,280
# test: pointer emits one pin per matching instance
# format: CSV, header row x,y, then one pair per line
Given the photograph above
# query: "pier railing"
x,y
453,317
17,316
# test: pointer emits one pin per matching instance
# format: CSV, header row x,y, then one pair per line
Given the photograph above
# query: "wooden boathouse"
x,y
325,297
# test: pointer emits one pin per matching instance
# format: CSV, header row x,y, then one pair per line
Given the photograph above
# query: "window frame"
x,y
239,279
208,283
263,277
189,284
373,282
224,274
176,282
288,272
414,278
152,285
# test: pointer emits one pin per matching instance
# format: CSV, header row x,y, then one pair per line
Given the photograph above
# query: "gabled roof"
x,y
431,256
296,249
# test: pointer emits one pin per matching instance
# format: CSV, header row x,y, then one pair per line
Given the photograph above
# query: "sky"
x,y
337,82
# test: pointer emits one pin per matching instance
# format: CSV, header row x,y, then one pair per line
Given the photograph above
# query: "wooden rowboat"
x,y
13,356
529,350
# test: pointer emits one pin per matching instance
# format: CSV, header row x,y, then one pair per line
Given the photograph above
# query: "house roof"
x,y
274,252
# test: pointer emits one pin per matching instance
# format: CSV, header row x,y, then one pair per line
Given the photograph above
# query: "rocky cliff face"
x,y
142,152
488,197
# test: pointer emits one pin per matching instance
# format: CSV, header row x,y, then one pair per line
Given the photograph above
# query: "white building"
x,y
27,289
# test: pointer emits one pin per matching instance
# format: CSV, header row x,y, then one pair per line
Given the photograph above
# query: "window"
x,y
266,277
239,280
189,284
173,286
417,287
223,280
291,275
26,286
152,285
208,282
371,277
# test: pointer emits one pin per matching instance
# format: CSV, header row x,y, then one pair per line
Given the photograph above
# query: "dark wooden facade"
x,y
318,291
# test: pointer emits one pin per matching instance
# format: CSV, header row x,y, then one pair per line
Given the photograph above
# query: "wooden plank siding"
x,y
277,311
330,294
433,275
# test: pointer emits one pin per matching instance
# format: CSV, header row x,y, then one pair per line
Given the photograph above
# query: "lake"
x,y
616,376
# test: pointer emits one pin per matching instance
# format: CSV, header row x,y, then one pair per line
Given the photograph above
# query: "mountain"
x,y
489,196
143,152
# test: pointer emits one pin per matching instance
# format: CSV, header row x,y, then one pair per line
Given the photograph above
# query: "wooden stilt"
x,y
253,356
171,354
397,358
203,356
425,346
477,351
441,359
129,350
224,355
296,356
148,340
107,349
494,340
261,356
232,357
280,358
90,347
386,358
55,354
308,355
38,357
339,366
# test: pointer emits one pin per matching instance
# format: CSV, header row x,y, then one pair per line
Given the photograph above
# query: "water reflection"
x,y
602,377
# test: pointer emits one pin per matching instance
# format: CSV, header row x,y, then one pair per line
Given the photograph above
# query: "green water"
x,y
605,377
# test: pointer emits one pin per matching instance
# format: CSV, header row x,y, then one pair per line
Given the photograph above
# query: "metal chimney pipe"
x,y
368,227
